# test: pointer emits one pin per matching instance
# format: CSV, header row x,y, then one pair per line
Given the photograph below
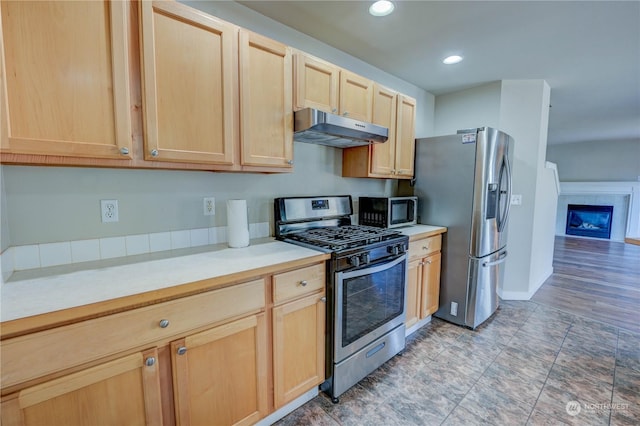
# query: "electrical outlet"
x,y
209,204
109,210
516,199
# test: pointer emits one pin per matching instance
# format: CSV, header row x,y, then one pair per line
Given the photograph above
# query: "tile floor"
x,y
523,366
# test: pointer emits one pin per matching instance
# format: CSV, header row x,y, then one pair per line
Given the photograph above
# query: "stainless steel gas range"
x,y
366,284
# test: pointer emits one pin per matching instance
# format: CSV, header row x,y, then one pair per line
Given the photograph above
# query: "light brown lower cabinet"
x,y
298,347
118,392
220,375
423,279
203,359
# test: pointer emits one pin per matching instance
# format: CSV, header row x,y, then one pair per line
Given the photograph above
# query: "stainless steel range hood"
x,y
314,126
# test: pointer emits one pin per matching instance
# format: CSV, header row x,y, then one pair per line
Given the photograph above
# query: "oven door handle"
x,y
372,269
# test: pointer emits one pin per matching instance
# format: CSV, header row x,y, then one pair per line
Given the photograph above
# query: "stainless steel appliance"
x,y
387,212
463,182
366,283
315,126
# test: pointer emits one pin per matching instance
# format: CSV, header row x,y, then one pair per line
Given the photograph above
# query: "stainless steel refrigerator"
x,y
463,182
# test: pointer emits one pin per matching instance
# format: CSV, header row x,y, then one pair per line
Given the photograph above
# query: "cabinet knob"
x,y
303,283
182,350
334,110
164,323
323,299
425,247
429,262
124,150
346,113
290,162
149,361
154,152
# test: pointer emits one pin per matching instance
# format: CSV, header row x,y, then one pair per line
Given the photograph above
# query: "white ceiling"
x,y
588,51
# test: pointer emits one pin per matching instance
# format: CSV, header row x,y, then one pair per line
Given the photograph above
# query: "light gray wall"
x,y
520,108
475,107
52,204
595,161
524,114
63,204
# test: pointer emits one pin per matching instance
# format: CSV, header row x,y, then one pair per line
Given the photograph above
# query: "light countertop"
x,y
33,296
32,293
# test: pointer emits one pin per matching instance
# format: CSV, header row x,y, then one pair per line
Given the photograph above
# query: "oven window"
x,y
371,300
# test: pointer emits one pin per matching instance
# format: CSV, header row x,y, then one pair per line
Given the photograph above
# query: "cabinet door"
x,y
220,375
384,114
405,137
316,84
356,96
266,101
430,284
124,391
298,346
65,78
414,285
189,65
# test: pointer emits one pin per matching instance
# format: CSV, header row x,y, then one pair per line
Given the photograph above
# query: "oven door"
x,y
369,302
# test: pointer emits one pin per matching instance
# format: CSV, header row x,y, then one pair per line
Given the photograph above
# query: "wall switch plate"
x,y
209,205
516,199
109,210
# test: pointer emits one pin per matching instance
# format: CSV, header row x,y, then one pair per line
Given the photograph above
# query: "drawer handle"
x,y
303,283
164,323
182,350
323,299
425,247
150,361
429,262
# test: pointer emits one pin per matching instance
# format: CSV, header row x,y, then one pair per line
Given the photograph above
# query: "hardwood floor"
x,y
598,279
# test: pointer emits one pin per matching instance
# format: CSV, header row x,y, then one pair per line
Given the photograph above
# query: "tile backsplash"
x,y
20,258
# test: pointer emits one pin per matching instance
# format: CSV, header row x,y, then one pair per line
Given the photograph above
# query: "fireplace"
x,y
589,220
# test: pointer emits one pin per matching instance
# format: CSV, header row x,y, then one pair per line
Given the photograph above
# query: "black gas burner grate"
x,y
343,237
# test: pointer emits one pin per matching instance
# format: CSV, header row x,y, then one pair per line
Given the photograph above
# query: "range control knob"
x,y
394,250
365,258
354,261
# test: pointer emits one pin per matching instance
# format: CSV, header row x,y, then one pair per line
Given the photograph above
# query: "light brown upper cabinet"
x,y
391,159
266,102
316,85
64,78
189,63
405,137
356,96
324,86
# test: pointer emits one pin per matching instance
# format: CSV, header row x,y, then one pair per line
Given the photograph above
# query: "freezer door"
x,y
485,276
492,192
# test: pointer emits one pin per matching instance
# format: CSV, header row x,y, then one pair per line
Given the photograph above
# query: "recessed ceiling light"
x,y
453,59
381,8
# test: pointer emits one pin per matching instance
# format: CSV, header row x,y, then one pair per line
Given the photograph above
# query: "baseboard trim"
x,y
525,295
415,327
287,409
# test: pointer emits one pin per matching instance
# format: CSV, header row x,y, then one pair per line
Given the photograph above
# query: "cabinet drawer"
x,y
290,285
424,247
38,354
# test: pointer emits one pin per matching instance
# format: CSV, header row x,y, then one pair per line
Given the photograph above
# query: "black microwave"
x,y
387,212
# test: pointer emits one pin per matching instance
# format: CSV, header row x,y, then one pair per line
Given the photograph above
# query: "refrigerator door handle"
x,y
504,216
501,259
